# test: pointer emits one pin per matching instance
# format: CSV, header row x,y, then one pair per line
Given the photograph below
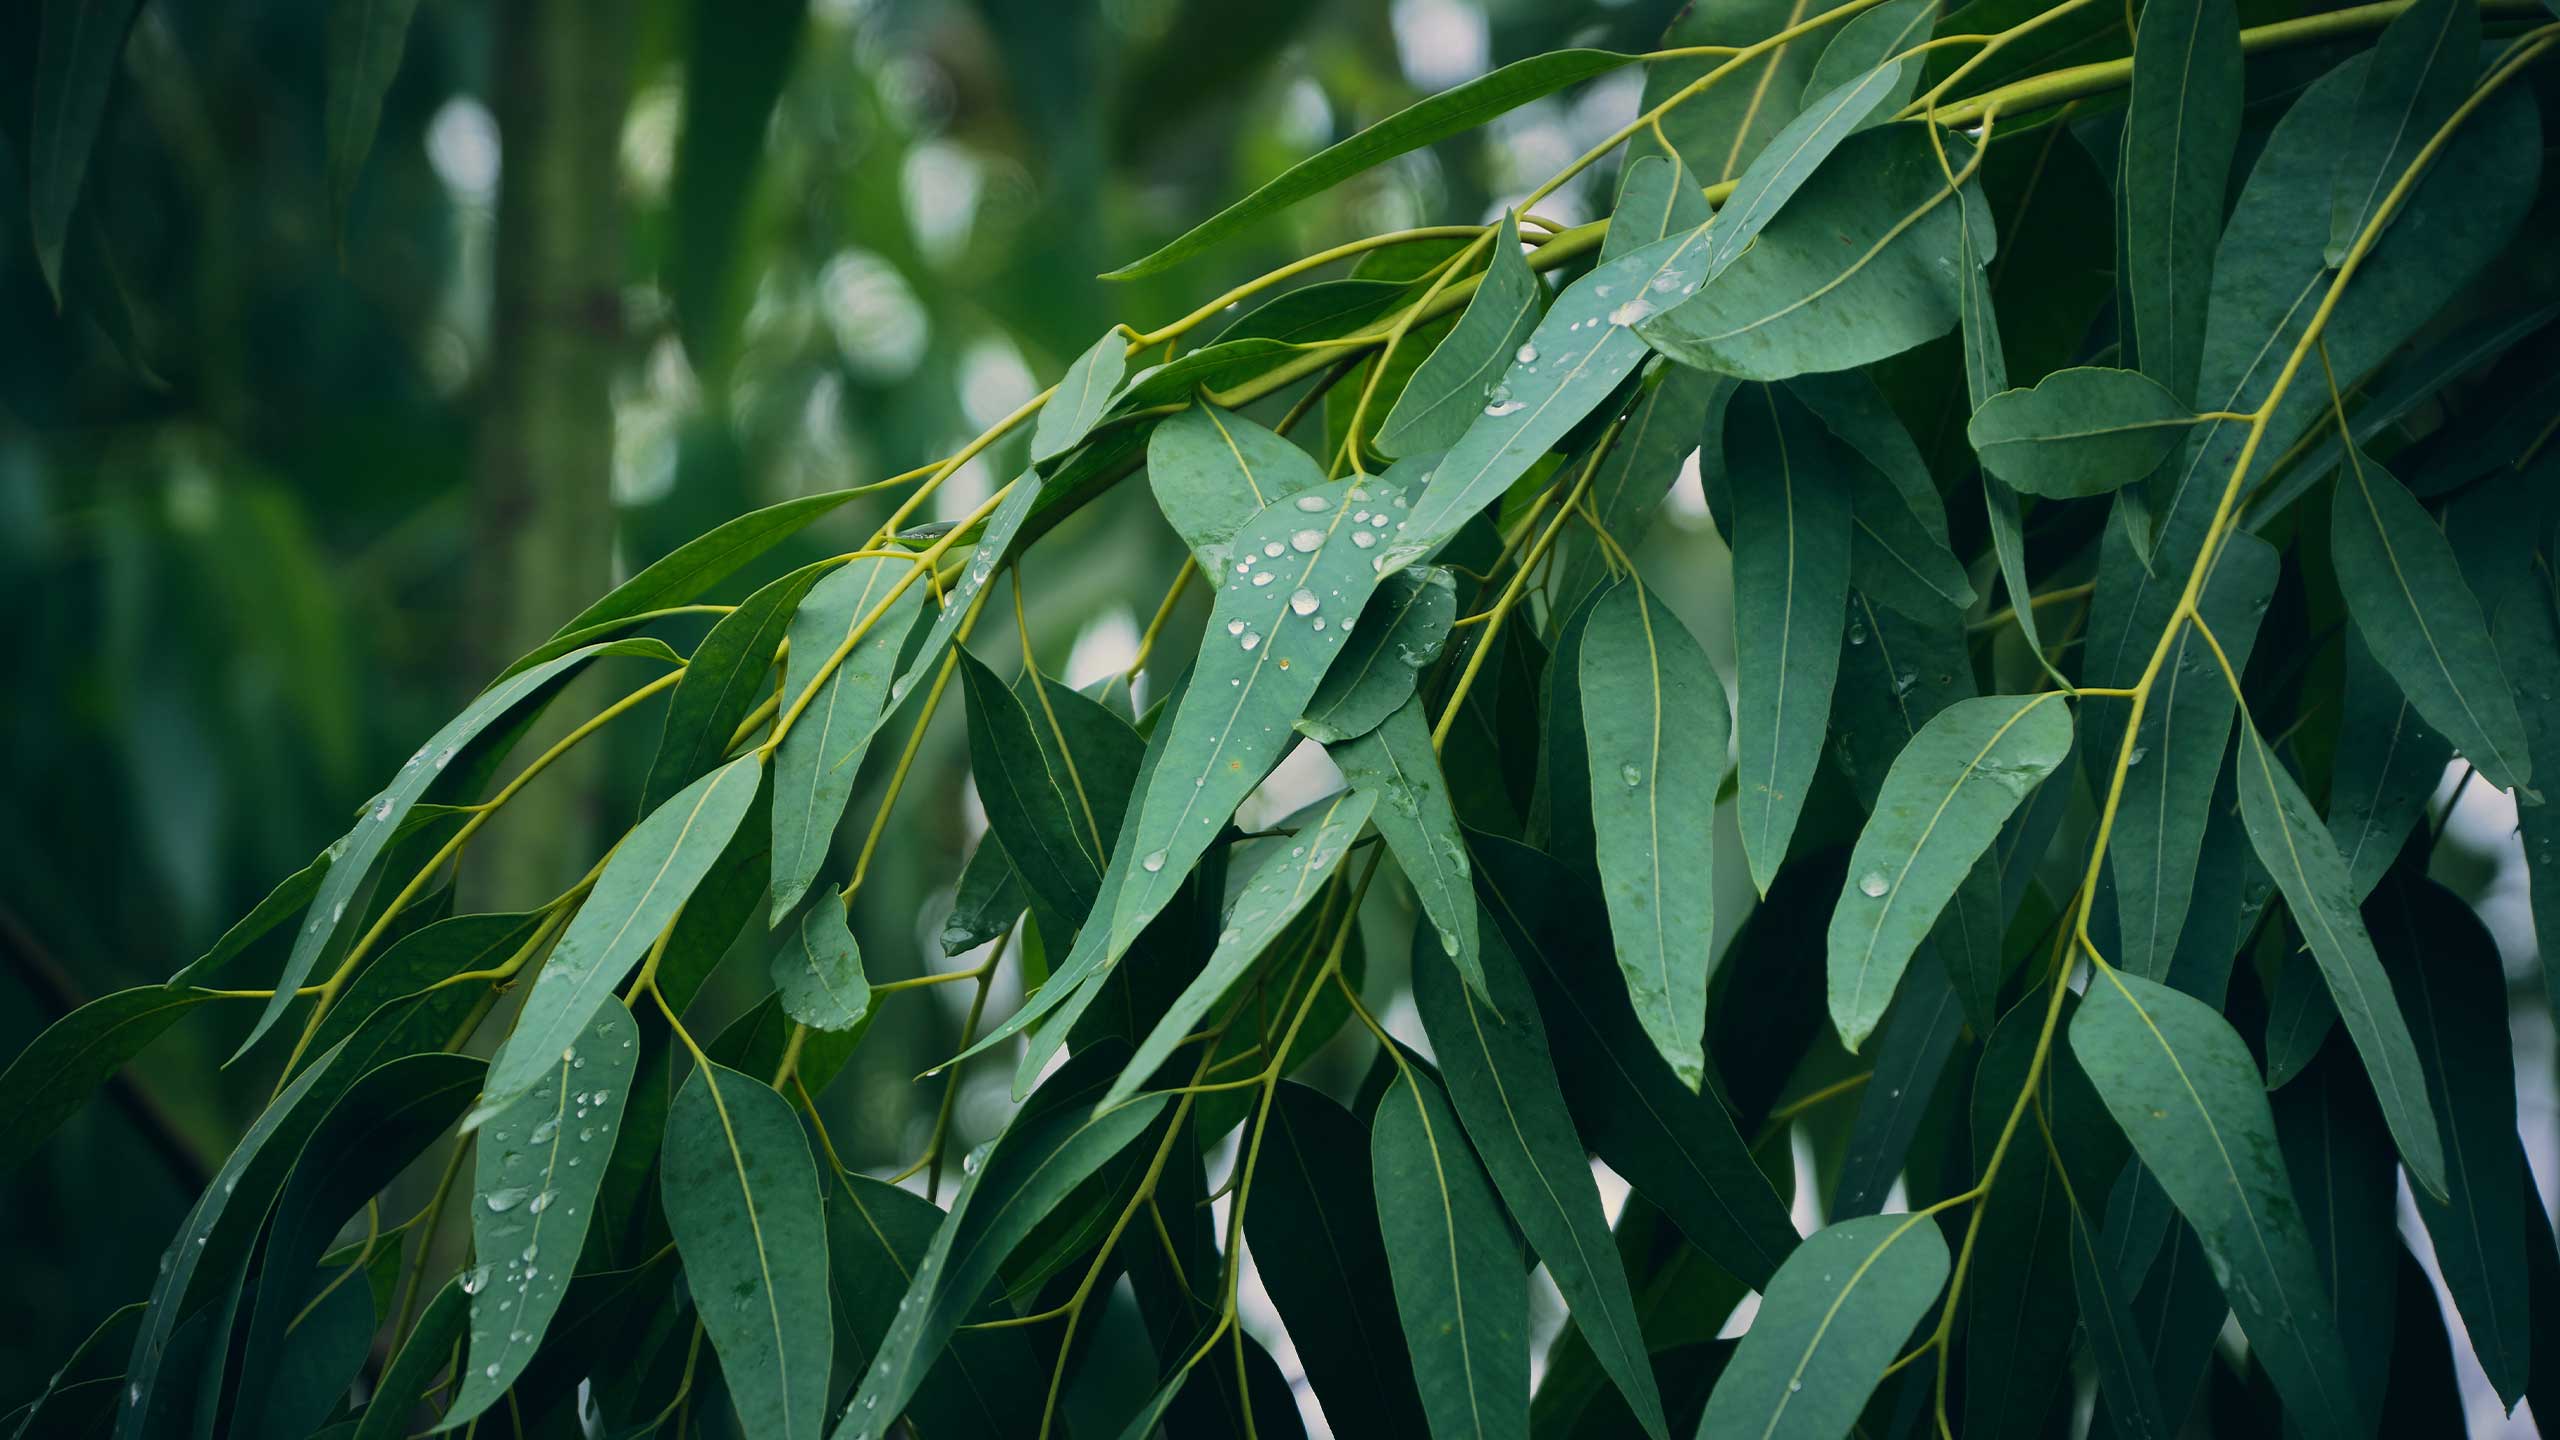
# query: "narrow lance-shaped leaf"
x,y
700,563
2181,1084
1212,472
55,1075
1459,1287
1654,725
2078,432
423,1356
2422,69
1920,1036
818,971
1035,808
1407,625
1493,1058
876,1236
1454,385
1395,765
2388,763
1574,360
1791,531
1657,196
1869,39
821,754
741,1193
2116,1343
537,1167
994,547
1722,128
1835,1315
729,673
1986,373
2182,123
2296,849
652,872
1828,118
1450,112
1291,875
365,40
1082,397
2445,967
2408,596
1942,804
77,55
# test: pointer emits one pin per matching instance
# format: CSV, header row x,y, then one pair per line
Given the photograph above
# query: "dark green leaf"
x,y
1941,805
2116,1343
1035,807
1921,1032
821,754
989,899
1832,1318
1451,111
431,1347
2388,763
1637,472
2078,432
1452,388
1394,765
2422,68
683,573
1460,1291
1407,626
80,48
742,1200
818,972
1836,105
2182,123
1657,196
54,1076
876,1236
1213,472
729,673
1727,125
1869,39
1653,722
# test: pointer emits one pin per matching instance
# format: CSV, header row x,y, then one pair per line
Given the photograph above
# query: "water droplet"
x,y
1364,538
1306,541
1448,942
543,1132
1873,884
541,1203
2138,755
1235,627
1794,1385
491,1372
1501,408
1273,548
474,1278
444,757
1312,503
1631,774
1303,602
1527,355
1154,862
507,1199
1265,578
1250,640
383,811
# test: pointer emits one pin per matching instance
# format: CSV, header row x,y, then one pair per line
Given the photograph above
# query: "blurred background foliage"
x,y
279,489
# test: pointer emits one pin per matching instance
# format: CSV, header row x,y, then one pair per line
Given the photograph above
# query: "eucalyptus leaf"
x,y
2181,127
1394,765
1213,472
2078,432
1459,1288
818,972
1835,1315
2423,66
55,1074
1082,397
1407,627
1456,383
838,709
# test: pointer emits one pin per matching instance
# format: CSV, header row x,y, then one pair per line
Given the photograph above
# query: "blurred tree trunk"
x,y
543,507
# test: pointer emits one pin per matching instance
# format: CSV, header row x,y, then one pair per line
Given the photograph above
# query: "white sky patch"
x,y
1440,43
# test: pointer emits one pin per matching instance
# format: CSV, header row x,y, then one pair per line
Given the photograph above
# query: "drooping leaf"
x,y
538,1167
2296,848
1791,544
428,1351
821,754
1727,125
54,1076
1457,109
741,1193
1213,472
1870,38
642,888
1942,804
2182,123
1035,808
876,1236
988,900
818,972
1848,103
2445,968
1921,1033
78,51
1858,267
1082,397
365,40
1032,1169
1575,359
1404,629
1835,1315
2116,1343
1493,1058
729,673
1653,723
1459,1288
2423,66
2078,432
1394,765
682,574
2388,762
1638,471
1657,196
2181,1084
1290,876
2409,599
1456,383
959,599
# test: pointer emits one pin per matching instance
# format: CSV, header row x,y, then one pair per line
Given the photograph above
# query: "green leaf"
x,y
1082,397
1313,1198
84,1391
2423,66
1326,310
1941,805
1213,472
1677,1147
537,1169
1035,807
988,900
1724,127
2409,599
2181,1084
381,822
1657,196
2181,126
2388,763
1459,1287
1832,1319
1034,1167
2078,432
742,1201
1653,723
821,754
1493,1059
55,1075
1921,1033
994,547
1274,629
682,574
1288,877
2444,965
365,39
1393,764
394,1410
1858,267
2165,806
729,673
876,1236
643,887
1791,544
1448,113
1573,361
1454,385
818,972
1407,626
2350,1196
1846,102
1637,472
2116,1345
2297,850
1869,39
78,53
